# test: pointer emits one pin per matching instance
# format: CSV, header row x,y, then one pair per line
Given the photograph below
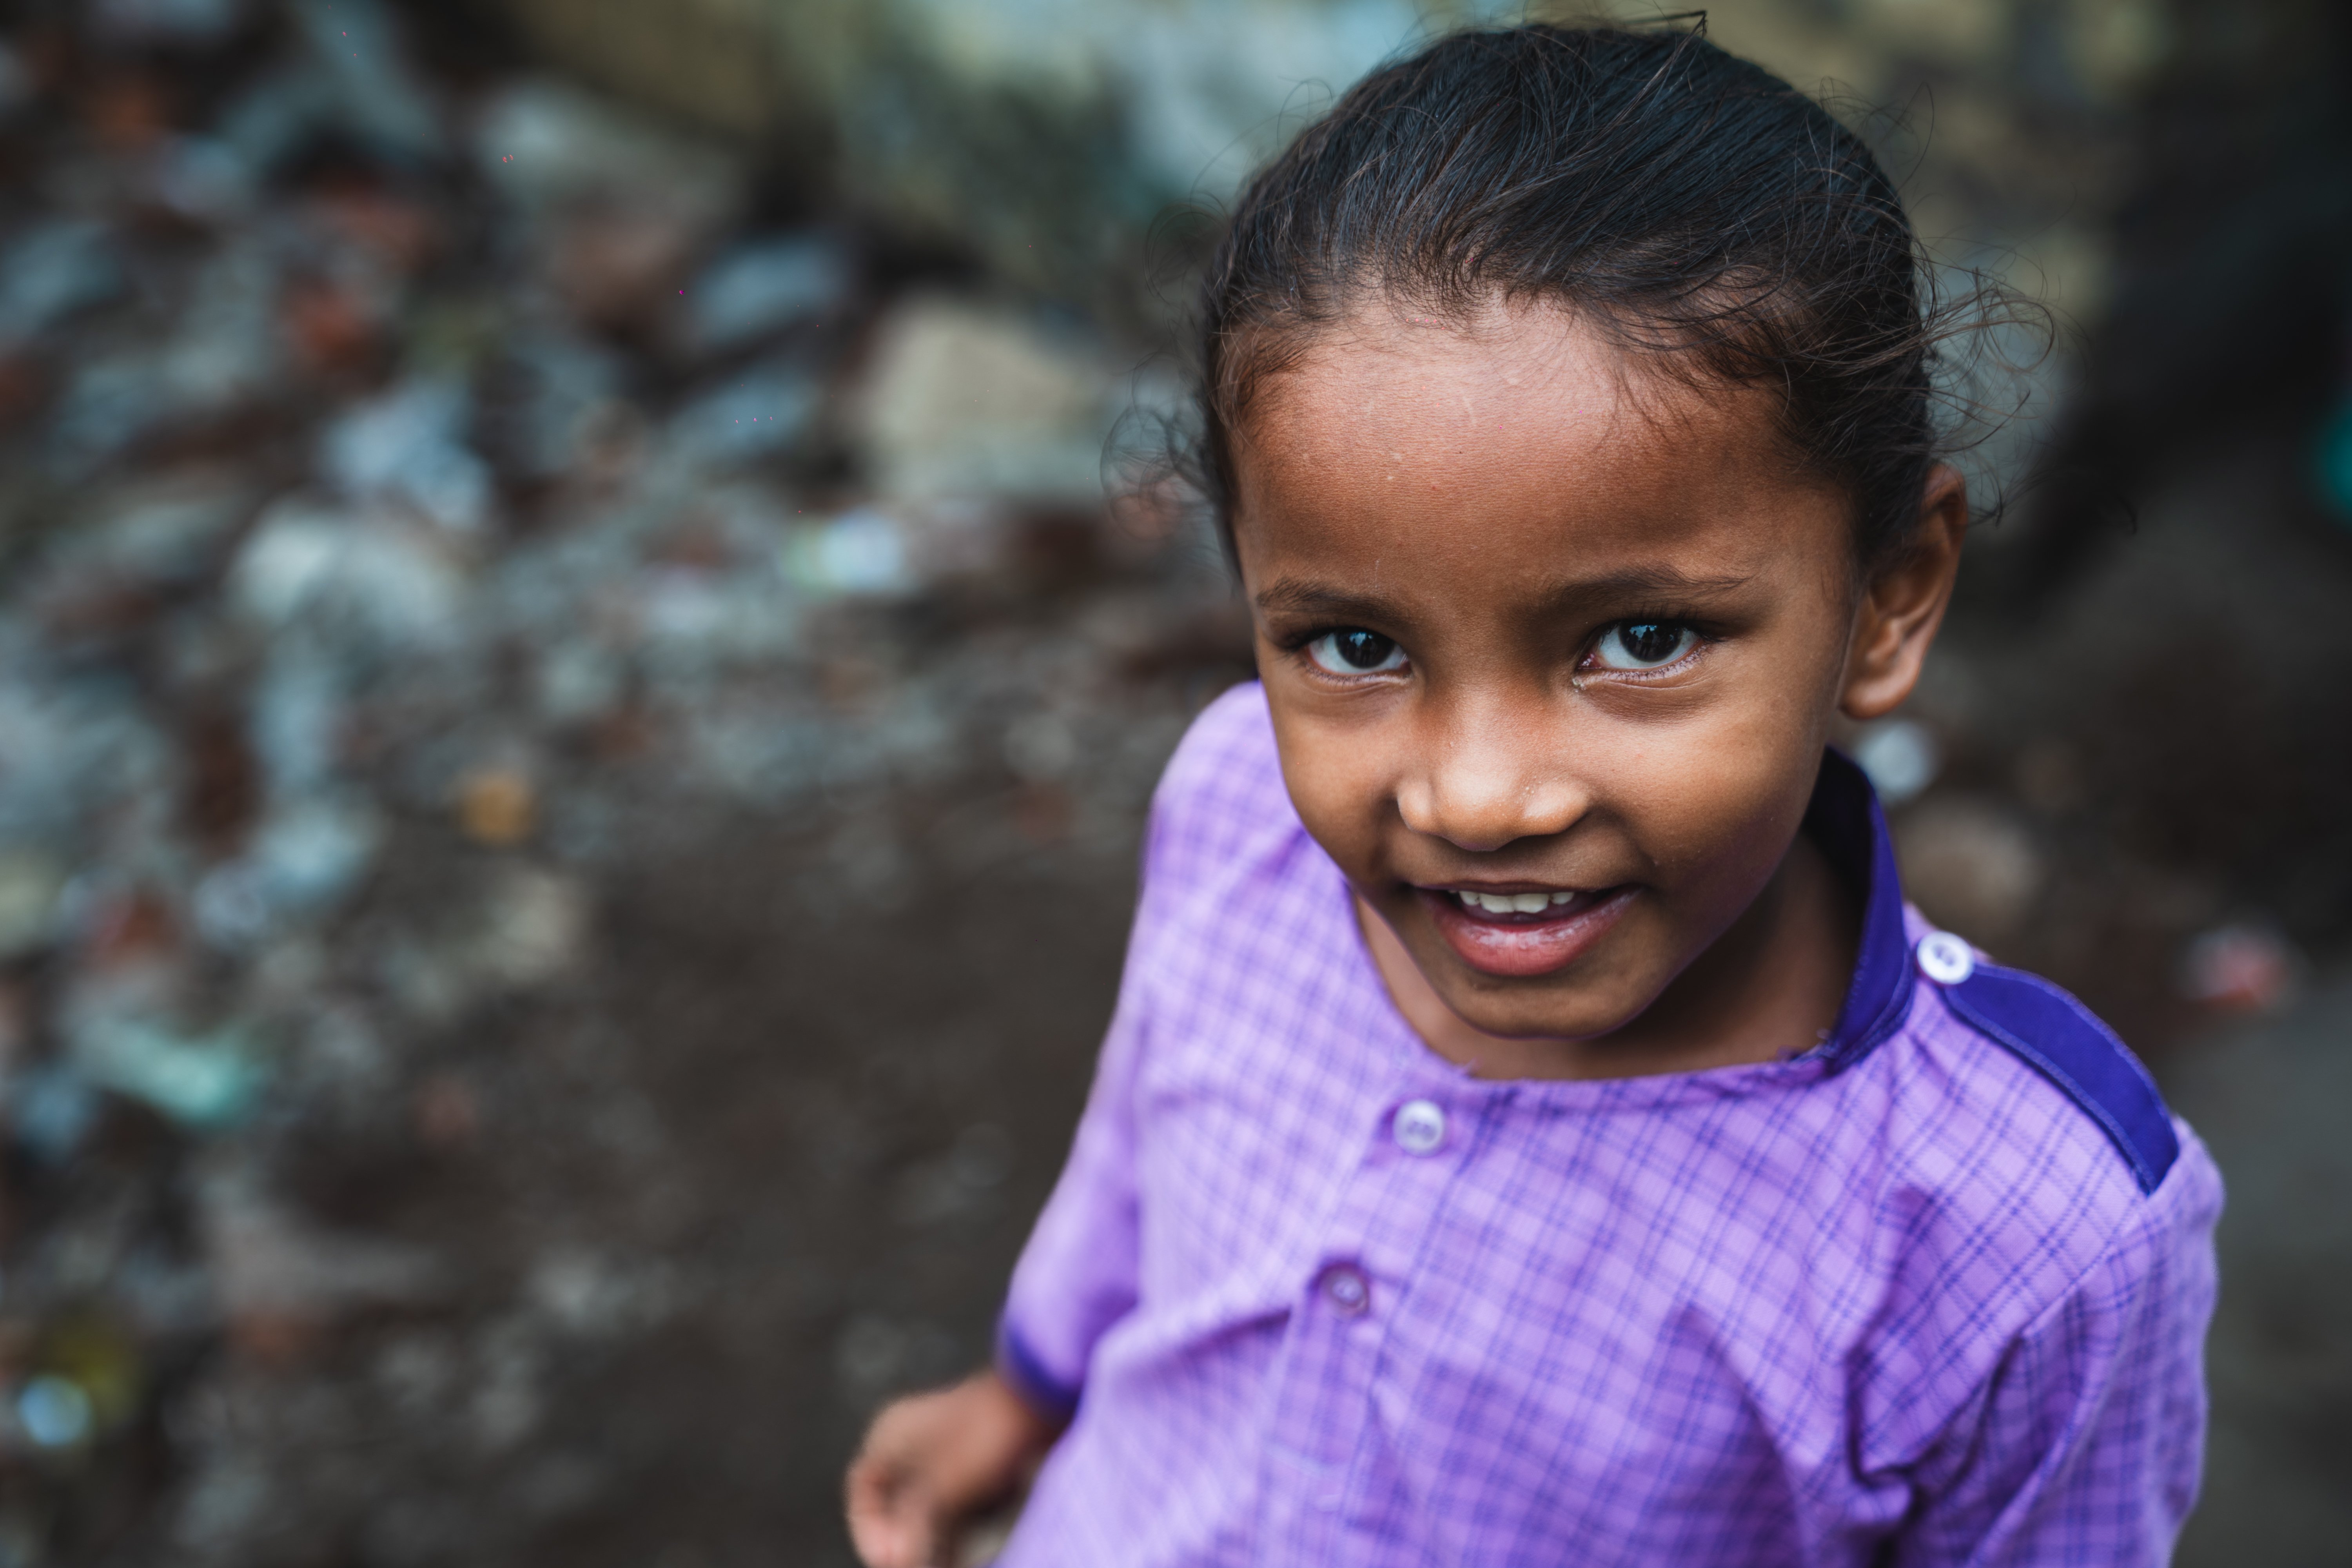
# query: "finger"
x,y
874,1505
893,1523
884,1542
899,1542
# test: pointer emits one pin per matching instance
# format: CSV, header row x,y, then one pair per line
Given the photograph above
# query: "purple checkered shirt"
x,y
1933,1291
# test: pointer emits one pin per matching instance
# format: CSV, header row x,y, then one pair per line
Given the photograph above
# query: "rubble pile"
x,y
425,499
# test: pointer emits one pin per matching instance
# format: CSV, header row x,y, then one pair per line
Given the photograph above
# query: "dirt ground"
x,y
768,1164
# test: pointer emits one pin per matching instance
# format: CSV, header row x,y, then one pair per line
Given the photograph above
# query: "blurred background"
x,y
574,718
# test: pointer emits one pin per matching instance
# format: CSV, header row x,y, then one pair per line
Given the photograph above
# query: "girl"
x,y
1534,1128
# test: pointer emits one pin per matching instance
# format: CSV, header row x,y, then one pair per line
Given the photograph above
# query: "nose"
x,y
1492,773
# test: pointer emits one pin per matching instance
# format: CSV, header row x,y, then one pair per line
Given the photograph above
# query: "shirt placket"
x,y
1347,1292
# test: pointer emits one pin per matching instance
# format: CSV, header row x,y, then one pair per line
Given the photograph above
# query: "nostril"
x,y
1482,798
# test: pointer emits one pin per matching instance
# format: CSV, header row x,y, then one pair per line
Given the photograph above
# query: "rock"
x,y
763,286
207,1081
497,806
306,857
864,551
761,412
54,269
30,882
53,1412
347,77
365,579
961,399
549,144
408,446
618,208
270,1265
534,927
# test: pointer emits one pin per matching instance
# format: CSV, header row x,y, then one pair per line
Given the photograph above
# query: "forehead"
x,y
1521,430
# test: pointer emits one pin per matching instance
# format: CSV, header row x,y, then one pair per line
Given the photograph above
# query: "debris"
x,y
548,144
448,1113
2332,460
270,1267
207,1081
168,21
2239,969
1901,757
311,853
365,577
15,1019
598,1296
497,806
53,271
200,179
305,858
556,390
862,552
962,400
30,882
369,89
534,926
54,1412
51,1111
1040,747
616,265
759,288
762,412
407,446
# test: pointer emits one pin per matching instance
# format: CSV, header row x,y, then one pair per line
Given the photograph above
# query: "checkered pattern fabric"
x,y
1317,1297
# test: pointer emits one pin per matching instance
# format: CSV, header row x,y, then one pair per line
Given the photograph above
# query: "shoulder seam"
x,y
2147,1172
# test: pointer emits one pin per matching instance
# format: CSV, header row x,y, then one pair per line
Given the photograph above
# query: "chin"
x,y
1581,1020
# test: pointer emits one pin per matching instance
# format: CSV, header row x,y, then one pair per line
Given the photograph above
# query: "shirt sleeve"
x,y
2086,1443
1077,1275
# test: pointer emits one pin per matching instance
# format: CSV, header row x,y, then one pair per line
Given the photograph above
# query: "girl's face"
x,y
1552,644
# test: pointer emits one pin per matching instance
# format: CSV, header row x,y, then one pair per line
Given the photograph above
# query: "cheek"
x,y
1722,799
1340,783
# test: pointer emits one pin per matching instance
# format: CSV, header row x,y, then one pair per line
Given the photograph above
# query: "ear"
x,y
1904,604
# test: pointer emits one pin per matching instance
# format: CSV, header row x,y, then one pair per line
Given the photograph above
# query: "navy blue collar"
x,y
1845,821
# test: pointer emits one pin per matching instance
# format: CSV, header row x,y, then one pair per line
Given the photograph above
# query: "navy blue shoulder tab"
x,y
2070,1046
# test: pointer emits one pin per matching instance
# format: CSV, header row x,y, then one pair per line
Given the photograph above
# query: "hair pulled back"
x,y
1685,202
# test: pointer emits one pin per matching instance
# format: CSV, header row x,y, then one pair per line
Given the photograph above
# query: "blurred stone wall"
x,y
1047,132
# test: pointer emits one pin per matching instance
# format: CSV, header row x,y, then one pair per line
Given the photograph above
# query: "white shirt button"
x,y
1945,959
1345,1287
1419,1127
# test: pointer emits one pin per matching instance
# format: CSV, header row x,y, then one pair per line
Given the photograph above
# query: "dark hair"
x,y
1688,203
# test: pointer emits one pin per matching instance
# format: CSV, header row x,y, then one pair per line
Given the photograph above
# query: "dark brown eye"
x,y
1643,645
1356,651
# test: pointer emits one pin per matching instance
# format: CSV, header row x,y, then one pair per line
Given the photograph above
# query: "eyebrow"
x,y
1299,595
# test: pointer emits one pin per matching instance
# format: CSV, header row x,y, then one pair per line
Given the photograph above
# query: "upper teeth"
x,y
1512,903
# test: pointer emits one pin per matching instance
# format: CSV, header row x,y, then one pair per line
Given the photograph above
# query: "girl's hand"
x,y
933,1462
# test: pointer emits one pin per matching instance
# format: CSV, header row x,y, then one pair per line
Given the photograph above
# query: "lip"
x,y
1517,946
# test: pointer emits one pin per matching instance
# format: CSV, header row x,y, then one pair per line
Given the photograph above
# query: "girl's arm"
x,y
1077,1274
1080,1272
933,1463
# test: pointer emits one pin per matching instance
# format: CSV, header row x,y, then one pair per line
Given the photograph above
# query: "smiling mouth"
x,y
1541,904
1524,931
